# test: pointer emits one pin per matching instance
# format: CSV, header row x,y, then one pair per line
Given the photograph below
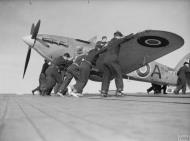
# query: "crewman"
x,y
42,76
84,70
155,87
53,76
102,43
63,62
72,71
111,64
182,79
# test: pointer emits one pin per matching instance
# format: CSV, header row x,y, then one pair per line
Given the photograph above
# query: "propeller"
x,y
27,60
32,29
34,32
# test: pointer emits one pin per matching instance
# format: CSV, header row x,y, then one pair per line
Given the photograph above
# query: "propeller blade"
x,y
36,29
27,60
32,29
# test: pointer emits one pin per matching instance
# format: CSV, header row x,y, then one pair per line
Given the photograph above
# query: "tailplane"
x,y
186,58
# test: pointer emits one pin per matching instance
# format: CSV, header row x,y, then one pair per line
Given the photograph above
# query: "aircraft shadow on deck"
x,y
123,98
119,99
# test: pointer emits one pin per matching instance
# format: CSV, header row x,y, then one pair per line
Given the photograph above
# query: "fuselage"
x,y
154,73
52,46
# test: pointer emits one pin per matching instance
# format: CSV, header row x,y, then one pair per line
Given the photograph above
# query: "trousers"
x,y
84,72
72,71
112,68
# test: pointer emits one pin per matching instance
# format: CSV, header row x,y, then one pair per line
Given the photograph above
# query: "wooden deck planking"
x,y
93,118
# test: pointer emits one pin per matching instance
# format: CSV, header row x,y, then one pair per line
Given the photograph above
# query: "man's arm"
x,y
102,50
126,38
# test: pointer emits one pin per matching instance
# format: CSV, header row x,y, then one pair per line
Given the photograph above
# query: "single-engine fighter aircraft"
x,y
143,48
52,46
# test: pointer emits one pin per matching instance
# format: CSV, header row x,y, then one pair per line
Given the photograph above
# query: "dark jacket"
x,y
100,44
182,72
44,67
114,44
59,61
78,59
93,55
62,63
113,49
52,77
74,68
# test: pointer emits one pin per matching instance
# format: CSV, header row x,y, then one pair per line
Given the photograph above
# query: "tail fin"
x,y
93,39
186,58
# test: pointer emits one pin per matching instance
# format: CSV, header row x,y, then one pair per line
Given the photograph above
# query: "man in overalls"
x,y
42,76
111,64
72,71
84,70
53,76
181,82
102,43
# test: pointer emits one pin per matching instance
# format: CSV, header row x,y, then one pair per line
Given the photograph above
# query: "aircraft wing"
x,y
147,46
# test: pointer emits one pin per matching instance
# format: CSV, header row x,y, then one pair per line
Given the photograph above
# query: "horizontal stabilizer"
x,y
186,58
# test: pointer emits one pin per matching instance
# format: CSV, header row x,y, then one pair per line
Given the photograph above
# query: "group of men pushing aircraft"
x,y
60,72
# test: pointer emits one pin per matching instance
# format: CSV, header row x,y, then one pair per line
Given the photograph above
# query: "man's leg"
x,y
105,81
83,77
65,83
183,87
42,80
36,89
150,89
56,88
164,89
157,89
179,86
118,78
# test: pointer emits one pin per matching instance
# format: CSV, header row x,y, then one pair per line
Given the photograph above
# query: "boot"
x,y
119,93
104,93
33,92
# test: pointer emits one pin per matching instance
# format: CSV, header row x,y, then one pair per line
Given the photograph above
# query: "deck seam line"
x,y
31,122
3,117
59,121
85,120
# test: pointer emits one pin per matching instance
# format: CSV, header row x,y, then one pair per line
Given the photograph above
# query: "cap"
x,y
104,37
186,63
67,55
118,33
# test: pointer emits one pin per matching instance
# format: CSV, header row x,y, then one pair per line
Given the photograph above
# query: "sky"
x,y
82,19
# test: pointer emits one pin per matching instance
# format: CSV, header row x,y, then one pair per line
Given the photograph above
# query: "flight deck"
x,y
134,117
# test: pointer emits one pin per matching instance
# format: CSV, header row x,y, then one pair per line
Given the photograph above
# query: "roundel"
x,y
153,41
144,71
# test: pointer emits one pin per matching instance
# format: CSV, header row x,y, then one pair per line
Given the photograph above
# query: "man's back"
x,y
182,71
52,76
